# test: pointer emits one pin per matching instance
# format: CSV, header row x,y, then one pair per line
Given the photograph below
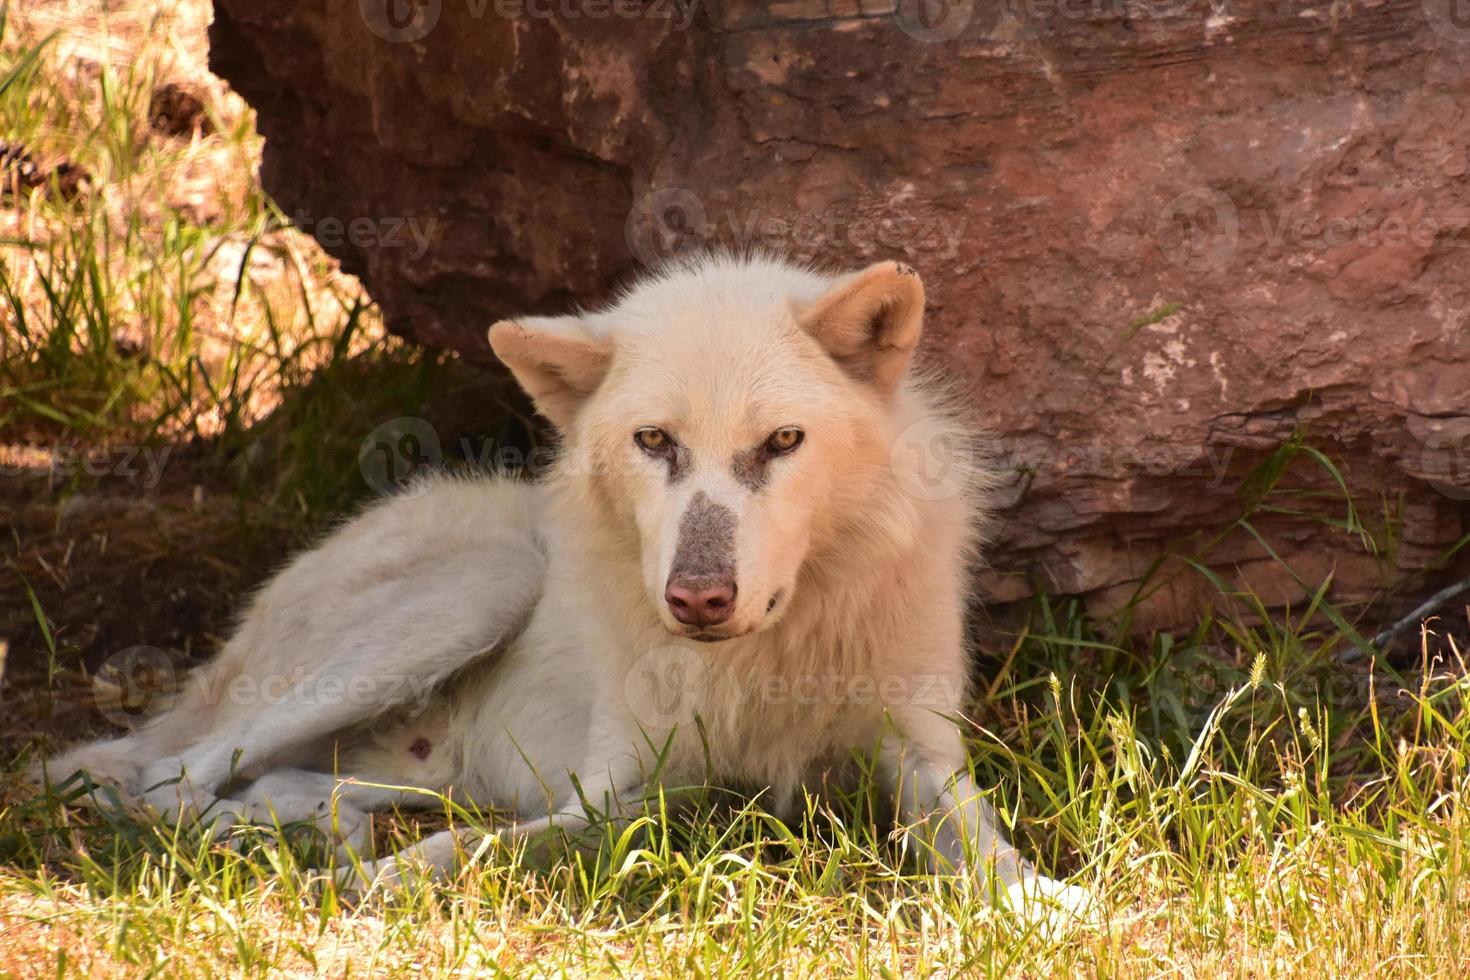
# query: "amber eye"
x,y
652,440
784,440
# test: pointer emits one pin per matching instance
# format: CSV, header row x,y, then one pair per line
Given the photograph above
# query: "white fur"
x,y
518,630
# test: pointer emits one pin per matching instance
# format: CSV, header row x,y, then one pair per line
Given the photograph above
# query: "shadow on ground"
x,y
112,548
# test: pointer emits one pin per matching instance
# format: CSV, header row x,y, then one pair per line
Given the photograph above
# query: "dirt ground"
x,y
113,568
117,562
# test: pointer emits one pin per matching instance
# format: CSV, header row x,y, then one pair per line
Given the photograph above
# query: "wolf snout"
x,y
702,601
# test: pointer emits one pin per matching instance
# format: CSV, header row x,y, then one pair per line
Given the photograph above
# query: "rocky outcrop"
x,y
1163,239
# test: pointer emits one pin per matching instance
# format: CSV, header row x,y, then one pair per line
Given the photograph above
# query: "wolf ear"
x,y
557,369
870,322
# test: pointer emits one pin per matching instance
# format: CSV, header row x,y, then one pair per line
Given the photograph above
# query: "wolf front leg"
x,y
947,816
608,798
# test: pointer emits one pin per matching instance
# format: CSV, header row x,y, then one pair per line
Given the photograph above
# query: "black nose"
x,y
701,601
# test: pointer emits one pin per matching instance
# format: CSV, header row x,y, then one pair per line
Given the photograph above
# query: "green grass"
x,y
1261,825
1266,794
169,302
123,320
1149,319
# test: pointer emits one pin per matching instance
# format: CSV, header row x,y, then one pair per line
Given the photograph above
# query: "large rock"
x,y
1162,238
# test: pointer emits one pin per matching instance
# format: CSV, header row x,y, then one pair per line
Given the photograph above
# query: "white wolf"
x,y
747,564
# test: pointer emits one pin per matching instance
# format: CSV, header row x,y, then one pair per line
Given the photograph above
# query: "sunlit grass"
x,y
1274,830
167,301
162,298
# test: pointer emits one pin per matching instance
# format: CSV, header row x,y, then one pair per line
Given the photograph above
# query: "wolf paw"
x,y
354,883
433,859
347,832
1049,905
275,801
171,795
111,767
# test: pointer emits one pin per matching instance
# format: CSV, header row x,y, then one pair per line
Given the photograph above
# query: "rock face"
x,y
1163,239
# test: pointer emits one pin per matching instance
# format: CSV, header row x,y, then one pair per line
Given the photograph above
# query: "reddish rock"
x,y
1161,238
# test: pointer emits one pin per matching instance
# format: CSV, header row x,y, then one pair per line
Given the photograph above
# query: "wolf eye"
x,y
784,440
652,440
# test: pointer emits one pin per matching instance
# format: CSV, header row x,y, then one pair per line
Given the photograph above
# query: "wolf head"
x,y
729,415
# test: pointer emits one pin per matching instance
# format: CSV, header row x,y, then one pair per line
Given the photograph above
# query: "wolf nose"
x,y
701,602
